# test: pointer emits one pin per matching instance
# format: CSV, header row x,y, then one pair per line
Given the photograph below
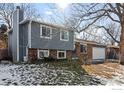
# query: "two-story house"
x,y
33,39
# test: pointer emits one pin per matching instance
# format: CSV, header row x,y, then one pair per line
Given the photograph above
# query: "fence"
x,y
3,54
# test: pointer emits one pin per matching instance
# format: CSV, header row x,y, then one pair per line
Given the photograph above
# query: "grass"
x,y
67,66
106,70
74,65
60,72
64,64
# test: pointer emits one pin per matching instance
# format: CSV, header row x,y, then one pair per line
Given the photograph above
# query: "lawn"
x,y
46,73
112,73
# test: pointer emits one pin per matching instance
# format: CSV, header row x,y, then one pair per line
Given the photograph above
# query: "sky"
x,y
53,10
57,11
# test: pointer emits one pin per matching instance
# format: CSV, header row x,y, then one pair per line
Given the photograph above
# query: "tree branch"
x,y
108,31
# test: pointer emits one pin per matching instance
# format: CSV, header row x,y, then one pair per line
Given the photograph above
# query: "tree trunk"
x,y
122,41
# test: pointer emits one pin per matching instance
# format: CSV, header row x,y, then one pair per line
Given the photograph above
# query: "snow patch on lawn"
x,y
43,74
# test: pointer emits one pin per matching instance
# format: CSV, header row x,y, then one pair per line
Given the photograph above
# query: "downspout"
x,y
29,38
17,35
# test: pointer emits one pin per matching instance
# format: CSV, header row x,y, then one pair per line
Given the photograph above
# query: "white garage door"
x,y
98,53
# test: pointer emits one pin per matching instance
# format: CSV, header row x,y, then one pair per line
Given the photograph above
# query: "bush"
x,y
49,59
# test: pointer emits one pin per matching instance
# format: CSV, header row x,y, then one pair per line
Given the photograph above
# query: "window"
x,y
83,48
64,35
45,32
61,54
43,53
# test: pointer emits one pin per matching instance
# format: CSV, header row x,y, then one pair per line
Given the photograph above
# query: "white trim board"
x,y
58,55
41,32
17,34
41,51
29,34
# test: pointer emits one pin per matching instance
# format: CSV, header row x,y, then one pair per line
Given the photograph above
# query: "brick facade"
x,y
88,55
68,54
82,56
53,53
33,54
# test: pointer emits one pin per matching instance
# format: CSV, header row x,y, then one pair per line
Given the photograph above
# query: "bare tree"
x,y
30,11
87,15
7,9
112,33
92,34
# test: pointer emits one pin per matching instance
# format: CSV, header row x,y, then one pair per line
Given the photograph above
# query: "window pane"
x,y
43,31
61,54
43,53
48,32
83,48
64,35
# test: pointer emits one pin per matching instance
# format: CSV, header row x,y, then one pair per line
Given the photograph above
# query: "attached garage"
x,y
98,53
89,51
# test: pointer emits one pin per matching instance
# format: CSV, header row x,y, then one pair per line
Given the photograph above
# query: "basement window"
x,y
61,54
83,48
43,53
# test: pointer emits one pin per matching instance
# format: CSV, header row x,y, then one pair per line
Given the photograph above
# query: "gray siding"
x,y
13,37
54,43
23,40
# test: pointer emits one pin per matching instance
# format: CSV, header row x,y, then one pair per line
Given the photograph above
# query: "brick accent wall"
x,y
32,54
82,56
68,54
87,55
53,53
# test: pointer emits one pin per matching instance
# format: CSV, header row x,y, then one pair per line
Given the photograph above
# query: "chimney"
x,y
17,7
20,13
17,18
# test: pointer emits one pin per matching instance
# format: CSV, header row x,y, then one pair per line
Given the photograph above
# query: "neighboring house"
x,y
89,51
3,47
3,43
34,40
112,52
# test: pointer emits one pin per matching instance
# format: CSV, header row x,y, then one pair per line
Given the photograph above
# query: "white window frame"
x,y
40,50
86,48
61,57
45,36
61,35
